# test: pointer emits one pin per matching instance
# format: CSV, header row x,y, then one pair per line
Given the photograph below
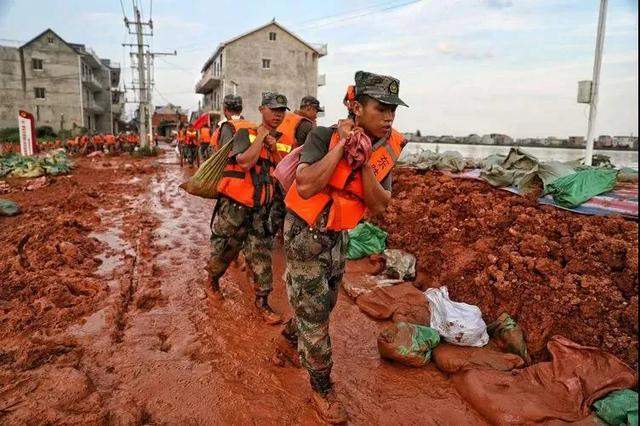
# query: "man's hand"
x,y
270,142
262,132
344,127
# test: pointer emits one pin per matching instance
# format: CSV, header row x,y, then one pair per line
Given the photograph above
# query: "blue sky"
x,y
466,66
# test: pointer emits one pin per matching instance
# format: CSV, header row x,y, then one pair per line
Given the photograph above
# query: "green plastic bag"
x,y
576,188
364,240
618,408
407,343
9,208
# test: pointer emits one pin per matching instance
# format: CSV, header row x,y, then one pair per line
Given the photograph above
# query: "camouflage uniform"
x,y
315,266
236,227
316,256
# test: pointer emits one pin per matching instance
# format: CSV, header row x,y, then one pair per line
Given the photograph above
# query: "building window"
x,y
266,64
37,64
39,92
50,39
272,36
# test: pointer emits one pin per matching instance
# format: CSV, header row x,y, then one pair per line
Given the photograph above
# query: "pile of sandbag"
x,y
425,159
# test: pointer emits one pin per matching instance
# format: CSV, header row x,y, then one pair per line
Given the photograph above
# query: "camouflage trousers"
x,y
236,227
315,266
278,209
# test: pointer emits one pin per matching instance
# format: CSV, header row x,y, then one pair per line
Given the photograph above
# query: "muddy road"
x,y
106,318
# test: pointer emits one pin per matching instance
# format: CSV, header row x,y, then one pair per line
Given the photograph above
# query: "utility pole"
x,y
150,79
593,109
143,91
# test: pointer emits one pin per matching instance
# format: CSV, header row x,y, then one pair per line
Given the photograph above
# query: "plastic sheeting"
x,y
574,189
426,159
364,240
452,358
562,389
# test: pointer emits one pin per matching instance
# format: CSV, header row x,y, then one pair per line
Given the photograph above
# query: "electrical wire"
x,y
348,18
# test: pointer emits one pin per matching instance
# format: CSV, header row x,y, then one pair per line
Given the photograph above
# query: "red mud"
x,y
104,317
553,271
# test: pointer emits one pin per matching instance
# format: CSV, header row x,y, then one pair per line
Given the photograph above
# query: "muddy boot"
x,y
214,288
268,315
325,400
286,352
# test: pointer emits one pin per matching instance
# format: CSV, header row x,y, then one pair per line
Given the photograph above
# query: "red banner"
x,y
201,121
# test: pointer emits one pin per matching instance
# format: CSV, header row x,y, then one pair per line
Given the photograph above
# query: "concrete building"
x,y
624,142
576,141
64,85
167,118
267,59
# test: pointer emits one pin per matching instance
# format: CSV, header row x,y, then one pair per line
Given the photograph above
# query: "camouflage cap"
x,y
273,100
232,102
311,101
380,87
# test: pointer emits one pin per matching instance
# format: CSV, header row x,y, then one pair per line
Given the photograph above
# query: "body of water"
x,y
619,158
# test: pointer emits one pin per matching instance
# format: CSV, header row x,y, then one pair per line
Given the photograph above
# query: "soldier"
x,y
240,218
233,121
328,198
204,137
294,128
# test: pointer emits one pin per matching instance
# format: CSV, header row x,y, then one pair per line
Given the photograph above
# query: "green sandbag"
x,y
574,189
407,343
9,208
618,408
364,240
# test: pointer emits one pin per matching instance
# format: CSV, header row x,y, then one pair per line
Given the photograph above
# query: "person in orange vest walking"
x,y
233,120
327,198
294,128
240,218
191,143
204,140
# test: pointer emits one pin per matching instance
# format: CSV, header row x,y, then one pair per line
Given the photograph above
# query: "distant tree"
x,y
418,134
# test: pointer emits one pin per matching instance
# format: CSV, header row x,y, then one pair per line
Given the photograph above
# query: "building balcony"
x,y
92,82
322,80
94,107
208,82
320,48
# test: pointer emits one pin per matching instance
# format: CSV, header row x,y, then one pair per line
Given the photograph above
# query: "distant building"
x,y
553,141
167,118
576,141
626,142
500,139
604,141
64,85
267,59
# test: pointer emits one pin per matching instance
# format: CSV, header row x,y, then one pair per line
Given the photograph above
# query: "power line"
x,y
348,18
371,6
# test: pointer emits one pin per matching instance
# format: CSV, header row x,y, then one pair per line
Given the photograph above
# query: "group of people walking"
x,y
85,144
327,198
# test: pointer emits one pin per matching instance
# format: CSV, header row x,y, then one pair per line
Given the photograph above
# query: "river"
x,y
619,158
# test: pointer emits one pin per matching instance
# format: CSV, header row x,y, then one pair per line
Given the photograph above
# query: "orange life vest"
x,y
251,188
191,136
345,190
236,125
288,129
181,135
84,140
205,135
110,139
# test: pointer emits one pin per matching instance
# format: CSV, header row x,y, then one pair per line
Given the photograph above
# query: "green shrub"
x,y
10,134
45,132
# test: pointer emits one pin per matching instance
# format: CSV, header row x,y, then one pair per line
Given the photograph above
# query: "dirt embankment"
x,y
554,271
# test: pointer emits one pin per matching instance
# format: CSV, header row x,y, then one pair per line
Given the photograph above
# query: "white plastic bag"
x,y
458,323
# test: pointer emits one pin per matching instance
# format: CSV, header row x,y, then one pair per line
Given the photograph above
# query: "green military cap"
x,y
380,87
311,100
232,102
274,100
